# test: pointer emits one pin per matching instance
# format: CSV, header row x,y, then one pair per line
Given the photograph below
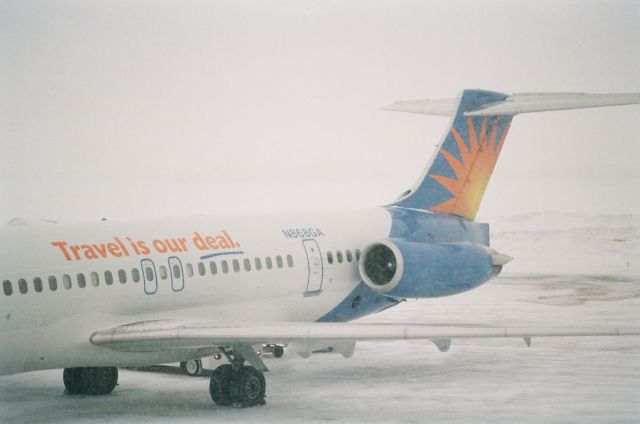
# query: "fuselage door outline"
x,y
315,266
177,281
149,276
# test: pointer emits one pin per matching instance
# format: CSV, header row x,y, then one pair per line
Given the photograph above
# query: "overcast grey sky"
x,y
153,108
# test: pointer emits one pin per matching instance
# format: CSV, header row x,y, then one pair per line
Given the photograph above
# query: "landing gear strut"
x,y
90,380
236,384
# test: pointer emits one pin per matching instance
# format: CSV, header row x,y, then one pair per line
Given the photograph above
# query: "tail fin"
x,y
457,176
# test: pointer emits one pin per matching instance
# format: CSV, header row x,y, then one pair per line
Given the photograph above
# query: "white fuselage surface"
x,y
69,280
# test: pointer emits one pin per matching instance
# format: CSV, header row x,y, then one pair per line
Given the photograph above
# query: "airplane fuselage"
x,y
66,281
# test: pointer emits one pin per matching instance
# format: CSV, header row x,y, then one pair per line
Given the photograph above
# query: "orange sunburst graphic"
x,y
475,169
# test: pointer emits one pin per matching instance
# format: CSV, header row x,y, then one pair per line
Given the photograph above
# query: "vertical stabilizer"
x,y
457,176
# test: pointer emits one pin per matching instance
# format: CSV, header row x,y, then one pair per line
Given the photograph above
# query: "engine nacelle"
x,y
406,269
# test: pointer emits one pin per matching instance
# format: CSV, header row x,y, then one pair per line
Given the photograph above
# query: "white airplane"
x,y
93,297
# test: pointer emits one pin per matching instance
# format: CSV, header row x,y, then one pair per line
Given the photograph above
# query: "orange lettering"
x,y
159,246
122,246
199,242
233,244
212,243
144,249
114,249
222,241
101,249
88,252
76,251
61,245
183,243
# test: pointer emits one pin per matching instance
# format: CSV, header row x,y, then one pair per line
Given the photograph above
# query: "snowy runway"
x,y
557,379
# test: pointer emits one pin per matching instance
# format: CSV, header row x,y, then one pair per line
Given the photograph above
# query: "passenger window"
x,y
279,261
213,267
148,271
135,275
7,287
108,278
357,254
95,279
247,264
225,267
82,282
176,271
268,263
201,269
349,256
53,283
339,256
189,270
66,281
258,264
22,286
122,276
290,261
330,257
37,284
236,265
163,272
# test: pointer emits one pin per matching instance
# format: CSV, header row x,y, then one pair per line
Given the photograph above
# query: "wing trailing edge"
x,y
154,336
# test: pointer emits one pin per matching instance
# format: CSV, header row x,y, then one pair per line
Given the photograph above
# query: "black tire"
x,y
73,381
90,380
101,380
278,351
193,367
220,385
250,387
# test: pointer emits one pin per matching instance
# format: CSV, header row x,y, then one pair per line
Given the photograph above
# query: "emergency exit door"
x,y
315,267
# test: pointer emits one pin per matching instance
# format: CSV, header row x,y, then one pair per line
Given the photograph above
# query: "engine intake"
x,y
407,269
382,266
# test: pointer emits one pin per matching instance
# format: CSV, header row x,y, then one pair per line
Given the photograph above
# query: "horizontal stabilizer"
x,y
440,107
518,103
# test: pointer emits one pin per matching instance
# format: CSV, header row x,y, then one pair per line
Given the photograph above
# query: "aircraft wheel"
x,y
250,387
193,367
278,351
220,385
73,381
101,380
90,380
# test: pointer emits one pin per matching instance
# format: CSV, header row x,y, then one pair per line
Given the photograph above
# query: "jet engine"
x,y
406,269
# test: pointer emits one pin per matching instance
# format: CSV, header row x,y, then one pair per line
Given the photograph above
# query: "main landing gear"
x,y
90,380
236,384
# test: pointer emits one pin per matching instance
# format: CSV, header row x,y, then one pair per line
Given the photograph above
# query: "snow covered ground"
x,y
566,243
569,269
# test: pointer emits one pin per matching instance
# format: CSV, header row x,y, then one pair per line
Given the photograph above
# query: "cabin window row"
x,y
81,279
246,264
348,256
121,276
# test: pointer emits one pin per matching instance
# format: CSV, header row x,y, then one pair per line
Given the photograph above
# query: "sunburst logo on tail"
x,y
473,166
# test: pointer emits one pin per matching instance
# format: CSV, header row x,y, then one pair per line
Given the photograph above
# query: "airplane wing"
x,y
154,336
